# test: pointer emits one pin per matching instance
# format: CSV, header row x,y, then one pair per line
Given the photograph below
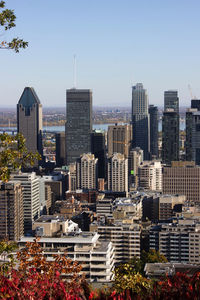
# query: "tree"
x,y
14,155
38,278
7,21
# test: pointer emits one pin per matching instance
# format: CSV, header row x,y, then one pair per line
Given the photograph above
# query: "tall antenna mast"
x,y
74,71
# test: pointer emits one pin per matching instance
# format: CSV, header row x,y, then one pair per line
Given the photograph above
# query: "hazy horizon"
x,y
117,44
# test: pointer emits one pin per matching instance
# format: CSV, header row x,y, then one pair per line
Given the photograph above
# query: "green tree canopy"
x,y
14,155
7,22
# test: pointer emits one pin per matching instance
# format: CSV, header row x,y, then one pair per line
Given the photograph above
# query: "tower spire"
x,y
74,71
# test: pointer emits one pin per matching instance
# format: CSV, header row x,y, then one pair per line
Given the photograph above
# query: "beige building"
x,y
11,211
72,177
135,159
119,139
125,238
150,175
29,119
182,178
86,172
118,173
53,226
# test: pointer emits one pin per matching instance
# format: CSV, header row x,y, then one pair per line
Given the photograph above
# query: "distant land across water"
x,y
95,126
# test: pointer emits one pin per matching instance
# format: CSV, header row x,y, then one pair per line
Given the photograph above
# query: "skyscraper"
x,y
118,173
31,198
193,135
195,103
86,170
153,112
171,100
98,148
170,127
29,119
60,149
170,136
11,211
119,139
78,123
140,119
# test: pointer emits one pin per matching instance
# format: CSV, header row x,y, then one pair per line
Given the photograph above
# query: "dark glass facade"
x,y
78,124
153,113
99,151
170,137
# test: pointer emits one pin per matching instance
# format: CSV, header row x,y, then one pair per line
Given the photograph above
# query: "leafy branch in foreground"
x,y
14,155
7,21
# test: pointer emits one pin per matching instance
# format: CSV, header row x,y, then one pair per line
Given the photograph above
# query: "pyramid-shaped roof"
x,y
29,97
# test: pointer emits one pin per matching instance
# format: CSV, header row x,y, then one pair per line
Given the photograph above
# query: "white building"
x,y
86,170
150,175
118,173
96,257
31,196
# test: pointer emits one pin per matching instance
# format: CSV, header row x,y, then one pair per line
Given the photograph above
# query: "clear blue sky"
x,y
117,43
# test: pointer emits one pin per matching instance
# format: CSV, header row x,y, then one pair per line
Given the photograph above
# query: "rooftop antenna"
x,y
74,71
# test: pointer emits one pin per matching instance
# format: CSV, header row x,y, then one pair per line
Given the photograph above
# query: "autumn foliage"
x,y
36,277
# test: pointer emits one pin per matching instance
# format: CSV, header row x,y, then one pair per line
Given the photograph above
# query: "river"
x,y
95,126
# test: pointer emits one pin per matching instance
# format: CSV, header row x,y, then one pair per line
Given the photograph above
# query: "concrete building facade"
x,y
119,139
11,211
86,171
182,178
118,173
31,198
150,175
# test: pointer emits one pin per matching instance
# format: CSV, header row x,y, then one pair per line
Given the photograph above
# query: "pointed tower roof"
x,y
28,98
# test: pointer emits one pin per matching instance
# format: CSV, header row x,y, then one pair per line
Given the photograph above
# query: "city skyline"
x,y
117,44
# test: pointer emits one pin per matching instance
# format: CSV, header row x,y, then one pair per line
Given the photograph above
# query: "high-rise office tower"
x,y
78,123
11,211
29,119
193,135
60,149
31,198
98,148
170,136
153,113
140,119
195,103
171,100
86,170
119,139
118,173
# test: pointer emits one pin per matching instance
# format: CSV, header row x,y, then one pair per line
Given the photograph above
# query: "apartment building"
x,y
86,171
178,241
150,175
60,236
118,173
11,211
125,238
